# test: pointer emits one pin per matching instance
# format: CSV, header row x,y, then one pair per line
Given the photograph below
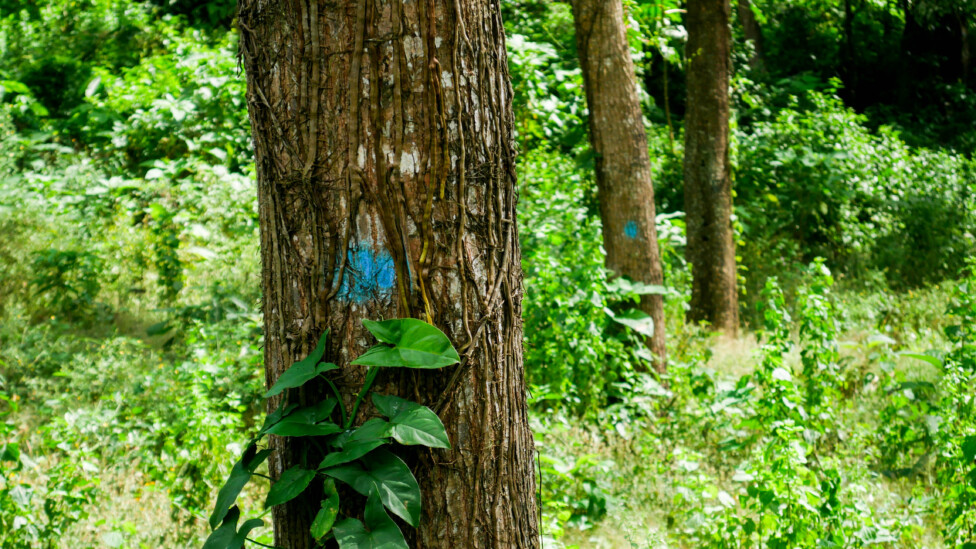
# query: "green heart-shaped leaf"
x,y
223,537
351,451
380,532
373,429
300,372
390,477
326,516
637,320
412,423
276,416
291,483
307,421
408,343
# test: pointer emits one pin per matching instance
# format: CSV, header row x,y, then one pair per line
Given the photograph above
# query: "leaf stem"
x,y
259,543
370,377
335,390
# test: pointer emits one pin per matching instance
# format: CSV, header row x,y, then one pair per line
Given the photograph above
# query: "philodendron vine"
x,y
355,456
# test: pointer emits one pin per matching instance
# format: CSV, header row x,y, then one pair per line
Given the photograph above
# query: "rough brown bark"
x,y
708,186
619,140
752,32
383,141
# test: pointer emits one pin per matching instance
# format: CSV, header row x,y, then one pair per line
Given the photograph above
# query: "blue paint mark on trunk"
x,y
630,229
369,275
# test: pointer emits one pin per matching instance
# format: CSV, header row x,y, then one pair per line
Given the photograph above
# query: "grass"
x,y
650,466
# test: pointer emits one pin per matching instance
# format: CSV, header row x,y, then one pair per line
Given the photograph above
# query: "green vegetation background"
x,y
130,328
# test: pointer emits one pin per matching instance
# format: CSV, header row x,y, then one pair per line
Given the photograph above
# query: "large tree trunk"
x,y
623,167
385,164
708,186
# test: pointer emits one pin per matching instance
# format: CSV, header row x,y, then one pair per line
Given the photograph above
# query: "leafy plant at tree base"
x,y
354,456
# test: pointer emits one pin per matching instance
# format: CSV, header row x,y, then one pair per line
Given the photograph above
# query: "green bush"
x,y
814,181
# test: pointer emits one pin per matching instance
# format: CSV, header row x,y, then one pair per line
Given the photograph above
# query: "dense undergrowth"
x,y
131,334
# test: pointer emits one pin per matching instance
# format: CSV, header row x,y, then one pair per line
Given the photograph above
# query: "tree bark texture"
x,y
708,187
623,167
385,164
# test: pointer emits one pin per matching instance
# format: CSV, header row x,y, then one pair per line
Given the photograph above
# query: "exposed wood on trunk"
x,y
618,137
708,187
385,163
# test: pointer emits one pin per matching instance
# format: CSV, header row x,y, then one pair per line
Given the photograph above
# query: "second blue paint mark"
x,y
630,229
369,275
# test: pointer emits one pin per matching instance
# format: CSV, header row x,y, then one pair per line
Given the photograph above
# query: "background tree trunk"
x,y
708,186
383,140
753,33
623,167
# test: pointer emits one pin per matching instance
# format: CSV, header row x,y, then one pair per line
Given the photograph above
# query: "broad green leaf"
x,y
303,370
924,358
326,516
274,417
412,423
629,286
969,449
373,429
408,343
880,339
635,319
351,451
223,537
380,532
239,475
291,483
10,452
241,537
307,421
14,86
288,428
390,477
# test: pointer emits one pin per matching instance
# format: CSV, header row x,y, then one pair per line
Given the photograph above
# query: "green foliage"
x,y
39,515
813,181
956,433
66,281
355,456
128,214
578,350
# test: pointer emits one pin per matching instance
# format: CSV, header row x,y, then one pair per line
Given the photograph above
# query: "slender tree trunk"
x,y
907,73
623,167
965,53
753,33
708,186
385,164
850,60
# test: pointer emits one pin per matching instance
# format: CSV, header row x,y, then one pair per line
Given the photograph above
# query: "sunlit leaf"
x,y
328,512
412,423
390,477
408,343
